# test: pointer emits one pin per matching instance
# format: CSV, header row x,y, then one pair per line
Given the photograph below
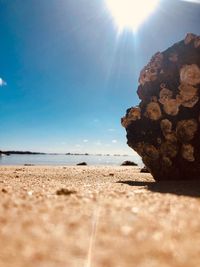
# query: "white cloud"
x,y
114,141
193,1
85,141
98,143
107,145
2,82
111,130
77,145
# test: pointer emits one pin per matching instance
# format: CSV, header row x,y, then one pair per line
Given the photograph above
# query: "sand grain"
x,y
116,217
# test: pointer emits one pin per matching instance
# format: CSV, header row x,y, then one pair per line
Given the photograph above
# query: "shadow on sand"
x,y
181,188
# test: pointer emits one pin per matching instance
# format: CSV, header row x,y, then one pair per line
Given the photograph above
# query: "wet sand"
x,y
96,217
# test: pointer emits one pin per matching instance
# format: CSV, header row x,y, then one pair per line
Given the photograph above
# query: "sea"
x,y
67,160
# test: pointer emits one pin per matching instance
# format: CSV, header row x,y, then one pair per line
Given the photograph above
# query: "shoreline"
x,y
65,160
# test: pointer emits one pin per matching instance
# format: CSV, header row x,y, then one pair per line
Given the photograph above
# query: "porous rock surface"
x,y
164,129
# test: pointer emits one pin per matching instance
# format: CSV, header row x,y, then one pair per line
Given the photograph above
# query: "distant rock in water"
x,y
144,170
164,129
8,153
82,164
128,163
4,153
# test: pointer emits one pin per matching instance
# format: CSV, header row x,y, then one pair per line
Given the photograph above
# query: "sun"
x,y
130,13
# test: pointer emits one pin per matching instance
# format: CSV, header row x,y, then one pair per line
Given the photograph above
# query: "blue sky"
x,y
70,76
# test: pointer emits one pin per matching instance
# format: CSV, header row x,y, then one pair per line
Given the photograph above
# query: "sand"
x,y
96,217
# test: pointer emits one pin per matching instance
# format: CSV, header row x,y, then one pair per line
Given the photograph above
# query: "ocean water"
x,y
68,160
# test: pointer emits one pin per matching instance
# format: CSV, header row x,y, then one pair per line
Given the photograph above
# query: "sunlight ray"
x,y
92,237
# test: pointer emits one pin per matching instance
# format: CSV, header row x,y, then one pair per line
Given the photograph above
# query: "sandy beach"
x,y
96,217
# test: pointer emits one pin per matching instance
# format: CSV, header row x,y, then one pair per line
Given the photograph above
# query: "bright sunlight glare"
x,y
130,13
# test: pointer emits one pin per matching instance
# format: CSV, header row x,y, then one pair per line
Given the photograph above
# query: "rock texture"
x,y
165,128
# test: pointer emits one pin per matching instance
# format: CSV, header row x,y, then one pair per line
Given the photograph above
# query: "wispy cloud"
x,y
111,130
193,1
114,141
85,141
2,82
77,145
107,145
98,143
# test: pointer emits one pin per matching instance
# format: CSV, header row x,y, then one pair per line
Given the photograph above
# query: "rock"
x,y
65,191
128,163
164,129
144,170
3,190
82,164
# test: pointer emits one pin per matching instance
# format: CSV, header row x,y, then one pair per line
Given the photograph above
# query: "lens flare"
x,y
130,13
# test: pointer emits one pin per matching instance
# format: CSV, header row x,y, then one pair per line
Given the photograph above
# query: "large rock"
x,y
165,128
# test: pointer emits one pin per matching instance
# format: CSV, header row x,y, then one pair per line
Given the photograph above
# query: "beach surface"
x,y
96,217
